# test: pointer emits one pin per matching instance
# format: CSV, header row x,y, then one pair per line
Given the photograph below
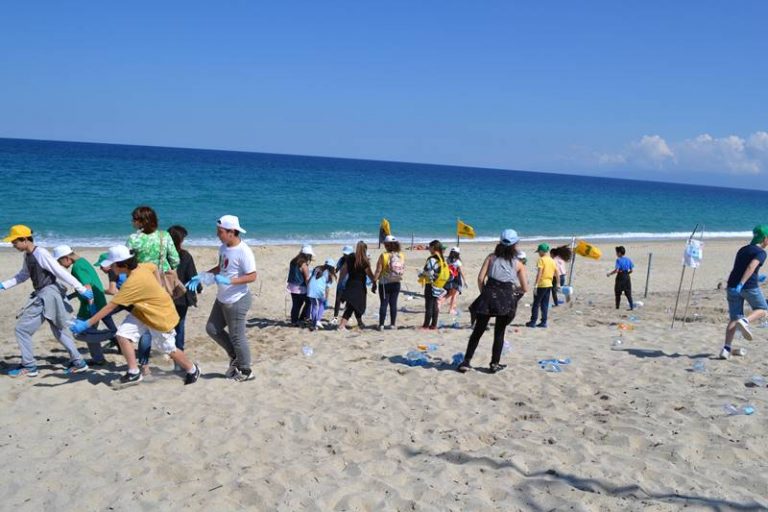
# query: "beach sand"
x,y
353,428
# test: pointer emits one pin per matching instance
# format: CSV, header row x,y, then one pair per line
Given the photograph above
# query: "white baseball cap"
x,y
389,238
61,251
230,222
521,255
456,250
307,249
117,254
347,250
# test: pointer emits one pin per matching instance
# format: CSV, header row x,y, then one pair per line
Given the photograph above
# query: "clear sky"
x,y
672,90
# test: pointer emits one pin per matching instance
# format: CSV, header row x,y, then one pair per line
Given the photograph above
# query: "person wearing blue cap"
x,y
501,281
744,284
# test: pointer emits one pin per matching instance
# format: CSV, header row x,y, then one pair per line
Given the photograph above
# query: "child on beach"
x,y
339,298
433,276
456,284
47,303
743,284
84,272
389,274
561,256
151,311
236,268
357,267
320,282
623,284
298,277
185,271
546,276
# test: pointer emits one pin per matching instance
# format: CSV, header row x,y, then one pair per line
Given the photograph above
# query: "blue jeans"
x,y
145,347
540,301
753,296
180,331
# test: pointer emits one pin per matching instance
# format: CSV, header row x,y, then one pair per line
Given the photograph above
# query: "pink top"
x,y
560,264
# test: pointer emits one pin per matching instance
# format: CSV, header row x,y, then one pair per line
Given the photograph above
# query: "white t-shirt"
x,y
234,262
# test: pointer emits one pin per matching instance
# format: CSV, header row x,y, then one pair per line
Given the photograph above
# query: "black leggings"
x,y
431,310
481,322
388,294
348,311
623,285
299,307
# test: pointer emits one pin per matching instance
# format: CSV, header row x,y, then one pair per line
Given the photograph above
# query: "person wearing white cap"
x,y
151,311
85,273
457,281
389,274
296,284
502,281
226,323
47,304
320,282
339,299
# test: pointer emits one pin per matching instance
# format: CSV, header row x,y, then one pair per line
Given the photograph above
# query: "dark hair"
x,y
131,263
392,246
300,259
435,245
620,250
563,251
505,251
331,272
146,217
178,234
361,256
457,258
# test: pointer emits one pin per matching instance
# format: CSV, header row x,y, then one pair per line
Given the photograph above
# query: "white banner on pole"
x,y
693,254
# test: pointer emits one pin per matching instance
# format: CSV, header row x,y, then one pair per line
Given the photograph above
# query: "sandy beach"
x,y
352,427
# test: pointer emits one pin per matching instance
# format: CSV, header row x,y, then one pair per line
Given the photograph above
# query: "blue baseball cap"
x,y
509,237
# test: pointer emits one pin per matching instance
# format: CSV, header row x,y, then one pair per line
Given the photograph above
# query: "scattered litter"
x,y
735,410
699,367
307,350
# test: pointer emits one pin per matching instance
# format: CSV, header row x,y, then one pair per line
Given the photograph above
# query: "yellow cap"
x,y
18,231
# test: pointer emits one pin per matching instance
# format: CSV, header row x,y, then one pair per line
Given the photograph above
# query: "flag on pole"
x,y
384,230
588,250
464,230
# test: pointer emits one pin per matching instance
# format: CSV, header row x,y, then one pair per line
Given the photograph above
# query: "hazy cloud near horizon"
x,y
729,155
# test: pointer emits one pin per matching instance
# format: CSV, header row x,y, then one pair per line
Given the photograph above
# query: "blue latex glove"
x,y
120,280
738,288
2,287
93,309
220,279
760,279
87,294
193,283
78,326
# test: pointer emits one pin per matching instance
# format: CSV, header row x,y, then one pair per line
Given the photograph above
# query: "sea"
x,y
82,194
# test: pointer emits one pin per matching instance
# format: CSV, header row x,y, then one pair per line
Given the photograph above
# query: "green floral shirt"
x,y
147,248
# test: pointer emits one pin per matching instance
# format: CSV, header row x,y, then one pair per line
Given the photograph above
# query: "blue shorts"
x,y
753,296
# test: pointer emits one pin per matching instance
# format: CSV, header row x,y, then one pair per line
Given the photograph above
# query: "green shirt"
x,y
84,272
156,248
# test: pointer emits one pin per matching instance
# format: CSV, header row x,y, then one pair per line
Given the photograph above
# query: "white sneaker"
x,y
725,354
232,370
335,321
743,325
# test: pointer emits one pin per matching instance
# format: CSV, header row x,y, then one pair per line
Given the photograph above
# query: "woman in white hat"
x,y
298,277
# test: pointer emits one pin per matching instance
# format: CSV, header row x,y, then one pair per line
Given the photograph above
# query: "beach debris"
x,y
735,410
552,368
633,319
699,367
617,343
639,304
757,381
428,347
741,351
416,358
554,365
457,359
506,348
307,350
207,278
625,327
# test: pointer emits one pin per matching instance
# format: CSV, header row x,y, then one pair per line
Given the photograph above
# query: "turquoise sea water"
x,y
83,194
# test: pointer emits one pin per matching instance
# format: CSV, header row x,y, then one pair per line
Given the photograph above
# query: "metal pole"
x,y
690,290
412,235
648,274
573,260
680,287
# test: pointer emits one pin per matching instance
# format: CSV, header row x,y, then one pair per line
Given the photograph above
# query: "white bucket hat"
x,y
230,222
117,254
307,249
61,251
456,250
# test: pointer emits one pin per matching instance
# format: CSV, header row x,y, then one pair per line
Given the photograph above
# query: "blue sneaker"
x,y
23,371
77,367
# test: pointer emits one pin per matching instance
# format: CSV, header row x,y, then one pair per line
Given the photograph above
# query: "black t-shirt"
x,y
743,258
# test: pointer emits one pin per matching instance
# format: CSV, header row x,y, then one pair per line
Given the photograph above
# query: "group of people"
x,y
155,279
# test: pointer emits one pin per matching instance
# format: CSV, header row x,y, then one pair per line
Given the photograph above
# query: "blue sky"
x,y
659,90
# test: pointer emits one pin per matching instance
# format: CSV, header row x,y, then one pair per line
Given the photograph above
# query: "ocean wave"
x,y
351,237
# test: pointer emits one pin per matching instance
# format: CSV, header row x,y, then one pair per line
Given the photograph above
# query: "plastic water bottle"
x,y
632,319
307,350
457,359
506,348
552,368
617,344
207,279
757,380
639,304
734,410
432,347
416,358
699,367
741,351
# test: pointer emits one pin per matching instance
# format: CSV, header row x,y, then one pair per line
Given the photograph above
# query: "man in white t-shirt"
x,y
236,268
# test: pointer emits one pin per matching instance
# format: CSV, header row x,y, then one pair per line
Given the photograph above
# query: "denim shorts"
x,y
753,296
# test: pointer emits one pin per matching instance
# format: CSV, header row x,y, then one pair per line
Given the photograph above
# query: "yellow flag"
x,y
588,250
464,230
384,230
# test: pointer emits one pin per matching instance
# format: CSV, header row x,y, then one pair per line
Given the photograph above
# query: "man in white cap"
x,y
85,273
236,268
47,303
152,311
